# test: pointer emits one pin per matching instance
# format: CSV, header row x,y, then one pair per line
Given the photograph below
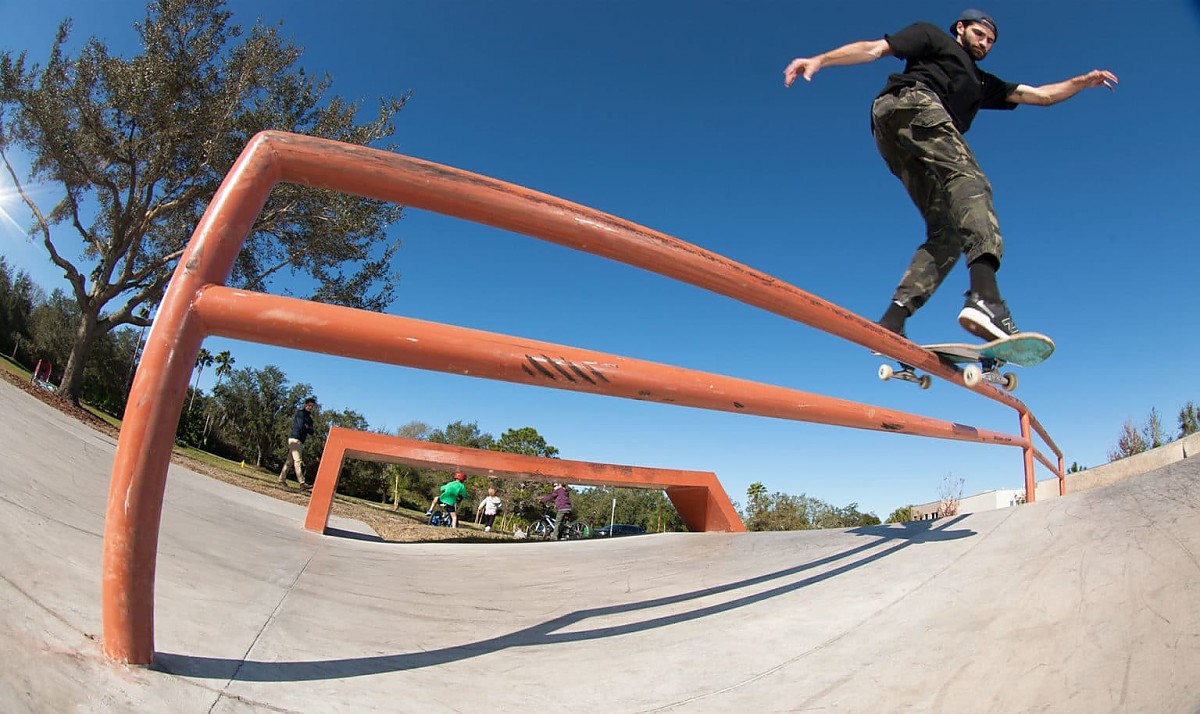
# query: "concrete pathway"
x,y
1085,603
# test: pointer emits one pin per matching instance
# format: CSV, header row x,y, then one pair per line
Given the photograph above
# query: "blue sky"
x,y
673,114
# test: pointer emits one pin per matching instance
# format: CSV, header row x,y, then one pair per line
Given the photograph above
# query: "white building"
x,y
986,501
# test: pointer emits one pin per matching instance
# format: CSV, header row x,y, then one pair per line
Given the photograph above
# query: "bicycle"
x,y
543,528
440,517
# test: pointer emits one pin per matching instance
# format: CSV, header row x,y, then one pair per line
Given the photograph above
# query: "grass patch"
x,y
16,369
13,368
405,525
107,418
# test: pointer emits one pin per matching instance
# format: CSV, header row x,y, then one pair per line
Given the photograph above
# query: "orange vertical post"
x,y
1030,484
139,476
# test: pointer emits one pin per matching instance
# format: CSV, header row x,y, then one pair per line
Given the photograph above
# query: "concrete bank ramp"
x,y
1085,603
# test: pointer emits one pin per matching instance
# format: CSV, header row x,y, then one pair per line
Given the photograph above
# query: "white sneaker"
x,y
487,529
985,319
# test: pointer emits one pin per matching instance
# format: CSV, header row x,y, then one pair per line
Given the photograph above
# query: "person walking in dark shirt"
x,y
302,426
919,120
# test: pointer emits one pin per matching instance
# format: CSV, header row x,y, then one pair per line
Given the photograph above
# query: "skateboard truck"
x,y
905,374
989,370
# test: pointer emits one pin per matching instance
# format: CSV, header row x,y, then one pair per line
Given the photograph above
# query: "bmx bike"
x,y
543,528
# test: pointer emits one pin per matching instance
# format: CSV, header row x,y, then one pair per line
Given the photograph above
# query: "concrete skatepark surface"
x,y
1089,602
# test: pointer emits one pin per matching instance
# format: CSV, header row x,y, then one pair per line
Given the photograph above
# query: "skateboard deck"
x,y
1026,349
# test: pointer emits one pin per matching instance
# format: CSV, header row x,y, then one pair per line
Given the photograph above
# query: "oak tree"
x,y
137,146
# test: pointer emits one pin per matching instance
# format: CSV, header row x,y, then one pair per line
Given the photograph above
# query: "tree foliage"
x,y
138,145
520,495
785,512
264,403
525,440
1154,434
904,514
18,295
1130,442
648,508
1189,420
460,433
403,482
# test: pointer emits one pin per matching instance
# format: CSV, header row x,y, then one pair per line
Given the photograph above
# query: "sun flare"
x,y
8,201
12,207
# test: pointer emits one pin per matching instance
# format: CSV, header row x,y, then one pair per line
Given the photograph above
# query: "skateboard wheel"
x,y
925,381
972,375
1010,381
886,372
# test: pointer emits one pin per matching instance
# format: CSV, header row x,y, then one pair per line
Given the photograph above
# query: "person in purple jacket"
x,y
919,120
562,505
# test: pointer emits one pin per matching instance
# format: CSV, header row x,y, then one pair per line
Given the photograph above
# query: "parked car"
x,y
618,529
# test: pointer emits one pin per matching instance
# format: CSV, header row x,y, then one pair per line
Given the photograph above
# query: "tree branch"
x,y
74,277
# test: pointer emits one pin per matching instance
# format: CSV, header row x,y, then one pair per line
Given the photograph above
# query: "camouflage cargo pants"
x,y
922,147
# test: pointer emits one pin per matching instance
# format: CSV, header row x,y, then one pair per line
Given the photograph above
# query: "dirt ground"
x,y
391,526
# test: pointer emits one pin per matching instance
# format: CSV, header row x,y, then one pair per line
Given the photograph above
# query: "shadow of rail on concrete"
x,y
353,535
549,632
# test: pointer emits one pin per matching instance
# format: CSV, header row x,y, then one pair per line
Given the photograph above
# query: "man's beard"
x,y
977,52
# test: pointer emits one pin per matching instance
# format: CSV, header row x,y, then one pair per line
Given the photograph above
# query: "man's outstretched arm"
x,y
1048,94
853,53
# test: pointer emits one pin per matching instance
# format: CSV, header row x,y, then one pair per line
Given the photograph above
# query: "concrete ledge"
x,y
696,495
1123,468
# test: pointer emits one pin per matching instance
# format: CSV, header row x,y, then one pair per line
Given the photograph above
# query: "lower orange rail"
x,y
696,495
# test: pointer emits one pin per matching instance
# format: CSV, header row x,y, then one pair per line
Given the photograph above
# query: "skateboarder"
x,y
918,121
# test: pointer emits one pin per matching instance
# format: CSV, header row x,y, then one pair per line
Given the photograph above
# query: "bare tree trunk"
x,y
85,337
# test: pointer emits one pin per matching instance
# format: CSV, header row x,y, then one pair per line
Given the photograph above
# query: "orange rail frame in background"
x,y
696,495
197,305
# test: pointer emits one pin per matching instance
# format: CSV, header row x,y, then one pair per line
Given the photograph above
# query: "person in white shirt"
x,y
489,506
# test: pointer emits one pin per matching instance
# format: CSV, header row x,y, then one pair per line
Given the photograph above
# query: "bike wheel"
x,y
539,529
575,530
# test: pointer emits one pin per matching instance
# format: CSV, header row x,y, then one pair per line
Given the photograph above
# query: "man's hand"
x,y
1048,94
1098,77
801,67
854,53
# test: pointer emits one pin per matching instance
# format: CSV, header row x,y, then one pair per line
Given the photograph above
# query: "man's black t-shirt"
x,y
937,61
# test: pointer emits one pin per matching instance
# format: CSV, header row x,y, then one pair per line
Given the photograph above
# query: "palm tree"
x,y
203,359
224,362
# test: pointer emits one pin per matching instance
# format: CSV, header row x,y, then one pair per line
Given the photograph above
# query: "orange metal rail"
x,y
197,305
697,495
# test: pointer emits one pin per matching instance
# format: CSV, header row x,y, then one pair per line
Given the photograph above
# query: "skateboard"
x,y
984,361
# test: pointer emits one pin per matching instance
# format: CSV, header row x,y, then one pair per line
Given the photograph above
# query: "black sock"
x,y
983,277
894,318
